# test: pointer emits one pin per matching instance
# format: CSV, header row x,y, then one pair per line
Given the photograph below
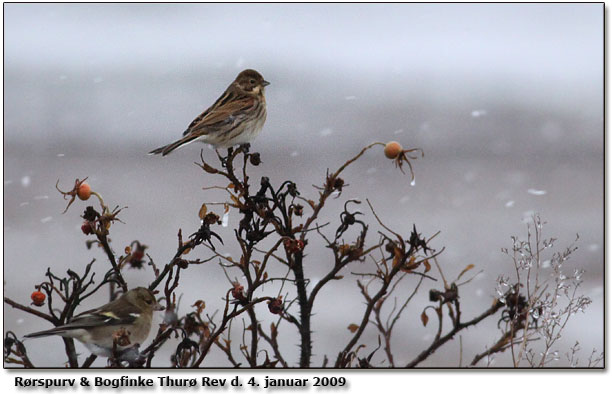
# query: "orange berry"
x,y
38,298
393,149
84,191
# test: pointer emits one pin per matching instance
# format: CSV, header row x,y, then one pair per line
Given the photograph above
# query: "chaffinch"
x,y
97,328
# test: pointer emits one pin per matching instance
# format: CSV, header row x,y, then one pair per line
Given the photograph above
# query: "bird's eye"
x,y
149,302
252,82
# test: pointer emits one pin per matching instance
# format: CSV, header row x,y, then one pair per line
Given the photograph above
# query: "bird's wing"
x,y
231,109
123,315
109,314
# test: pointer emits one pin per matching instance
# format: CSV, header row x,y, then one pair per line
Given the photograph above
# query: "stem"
x,y
111,257
305,308
71,352
31,311
442,340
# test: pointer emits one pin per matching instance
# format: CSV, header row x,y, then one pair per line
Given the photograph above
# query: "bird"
x,y
236,117
96,328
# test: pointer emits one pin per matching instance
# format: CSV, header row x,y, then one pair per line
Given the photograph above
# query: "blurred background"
x,y
506,100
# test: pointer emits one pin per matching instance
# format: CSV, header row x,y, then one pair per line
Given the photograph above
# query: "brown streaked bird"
x,y
95,328
235,118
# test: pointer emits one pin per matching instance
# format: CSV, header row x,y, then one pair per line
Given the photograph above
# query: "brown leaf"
x,y
235,200
203,211
427,265
200,305
353,327
412,264
424,318
466,269
398,256
208,168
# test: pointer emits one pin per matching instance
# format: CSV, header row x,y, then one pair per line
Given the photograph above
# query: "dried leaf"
x,y
128,250
203,211
424,318
398,256
187,251
235,200
353,327
200,305
412,264
427,265
208,168
466,269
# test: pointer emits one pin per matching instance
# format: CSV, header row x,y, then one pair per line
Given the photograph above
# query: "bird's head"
x,y
143,298
251,81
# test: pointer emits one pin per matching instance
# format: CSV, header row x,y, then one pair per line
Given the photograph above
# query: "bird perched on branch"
x,y
131,315
235,118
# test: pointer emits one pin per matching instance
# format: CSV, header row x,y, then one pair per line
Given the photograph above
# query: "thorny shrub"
x,y
529,306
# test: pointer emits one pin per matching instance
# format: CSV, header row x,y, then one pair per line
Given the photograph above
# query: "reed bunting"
x,y
235,118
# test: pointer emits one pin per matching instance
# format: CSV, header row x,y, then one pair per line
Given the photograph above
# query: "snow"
x,y
325,132
25,181
536,192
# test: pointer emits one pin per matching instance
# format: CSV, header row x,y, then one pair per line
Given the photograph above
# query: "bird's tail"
x,y
164,150
53,331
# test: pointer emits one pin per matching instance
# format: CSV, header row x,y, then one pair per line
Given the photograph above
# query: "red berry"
x,y
138,254
293,245
275,306
87,228
38,298
238,293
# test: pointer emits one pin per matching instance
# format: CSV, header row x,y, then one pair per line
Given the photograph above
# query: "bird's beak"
x,y
158,307
265,83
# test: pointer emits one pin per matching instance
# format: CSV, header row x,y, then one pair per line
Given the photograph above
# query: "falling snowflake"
x,y
25,181
536,192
